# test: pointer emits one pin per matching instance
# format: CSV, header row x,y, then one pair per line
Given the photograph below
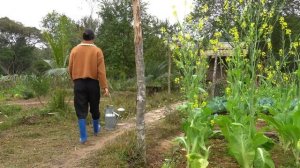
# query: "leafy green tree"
x,y
61,34
115,38
90,22
155,52
17,44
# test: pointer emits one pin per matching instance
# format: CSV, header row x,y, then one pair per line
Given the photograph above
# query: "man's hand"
x,y
106,92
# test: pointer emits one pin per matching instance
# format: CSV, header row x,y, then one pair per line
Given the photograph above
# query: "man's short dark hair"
x,y
88,35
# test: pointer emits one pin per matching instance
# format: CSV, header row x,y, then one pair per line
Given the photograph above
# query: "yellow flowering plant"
x,y
249,28
255,68
191,61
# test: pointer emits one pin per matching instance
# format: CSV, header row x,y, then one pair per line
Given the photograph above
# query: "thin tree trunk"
x,y
5,71
169,72
140,72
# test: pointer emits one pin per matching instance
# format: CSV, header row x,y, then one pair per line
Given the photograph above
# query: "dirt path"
x,y
96,143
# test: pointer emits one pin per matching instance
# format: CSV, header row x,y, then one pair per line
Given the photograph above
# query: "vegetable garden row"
x,y
262,84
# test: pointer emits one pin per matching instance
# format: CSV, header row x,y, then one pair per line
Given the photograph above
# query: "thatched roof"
x,y
224,49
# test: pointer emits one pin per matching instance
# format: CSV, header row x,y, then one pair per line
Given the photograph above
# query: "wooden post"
x,y
213,87
169,71
141,87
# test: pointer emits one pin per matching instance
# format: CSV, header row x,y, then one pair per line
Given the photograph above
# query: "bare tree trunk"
x,y
169,71
140,72
214,76
5,71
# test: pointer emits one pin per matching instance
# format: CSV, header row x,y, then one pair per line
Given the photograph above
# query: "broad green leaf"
x,y
271,121
182,141
290,133
296,119
263,159
259,139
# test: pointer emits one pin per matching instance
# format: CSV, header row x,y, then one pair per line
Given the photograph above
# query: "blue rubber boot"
x,y
82,130
97,127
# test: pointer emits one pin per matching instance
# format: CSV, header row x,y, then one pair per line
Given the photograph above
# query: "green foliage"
x,y
40,85
115,37
264,104
58,102
10,110
13,115
122,84
192,65
217,104
287,124
17,44
59,36
245,24
157,75
263,159
197,131
245,144
15,87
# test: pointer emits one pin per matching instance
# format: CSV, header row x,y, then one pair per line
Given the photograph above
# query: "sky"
x,y
31,12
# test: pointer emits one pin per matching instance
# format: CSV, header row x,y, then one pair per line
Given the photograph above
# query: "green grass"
x,y
30,136
28,145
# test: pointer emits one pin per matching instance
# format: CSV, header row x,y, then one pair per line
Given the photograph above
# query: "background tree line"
x,y
27,50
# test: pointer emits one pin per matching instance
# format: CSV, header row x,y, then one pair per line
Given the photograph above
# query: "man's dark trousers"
x,y
86,93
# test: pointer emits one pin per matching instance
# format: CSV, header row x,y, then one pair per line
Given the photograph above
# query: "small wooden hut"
x,y
216,74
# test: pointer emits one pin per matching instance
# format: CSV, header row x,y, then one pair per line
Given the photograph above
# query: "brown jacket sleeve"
x,y
70,67
101,70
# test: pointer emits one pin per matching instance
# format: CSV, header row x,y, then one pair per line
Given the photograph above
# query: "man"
x,y
87,70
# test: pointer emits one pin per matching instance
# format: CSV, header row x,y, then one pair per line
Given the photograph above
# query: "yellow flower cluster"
x,y
260,67
288,31
177,80
277,64
212,122
163,30
283,23
187,36
204,8
201,24
228,59
285,77
264,26
243,25
203,104
263,54
281,53
295,44
226,5
217,34
270,75
228,91
213,41
269,45
205,95
234,32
